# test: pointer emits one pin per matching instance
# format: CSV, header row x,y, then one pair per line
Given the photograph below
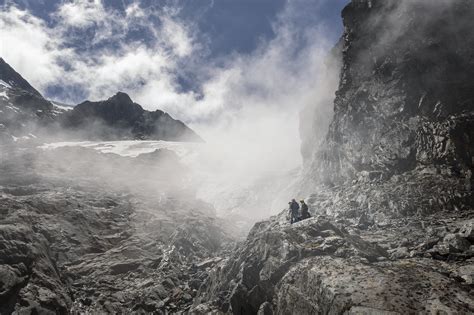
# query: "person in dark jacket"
x,y
294,213
304,210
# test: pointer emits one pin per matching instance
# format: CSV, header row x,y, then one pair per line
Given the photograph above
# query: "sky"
x,y
165,54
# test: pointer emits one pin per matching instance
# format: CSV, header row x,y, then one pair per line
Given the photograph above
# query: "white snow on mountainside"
x,y
129,148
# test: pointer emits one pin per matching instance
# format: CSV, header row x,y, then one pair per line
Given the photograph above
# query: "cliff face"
x,y
406,94
390,187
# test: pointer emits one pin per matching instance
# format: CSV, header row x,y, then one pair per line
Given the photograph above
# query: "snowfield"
x,y
130,148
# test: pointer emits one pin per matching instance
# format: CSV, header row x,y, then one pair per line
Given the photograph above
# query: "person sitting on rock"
x,y
294,213
304,210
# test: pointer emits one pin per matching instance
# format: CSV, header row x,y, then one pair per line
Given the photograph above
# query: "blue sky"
x,y
166,54
232,25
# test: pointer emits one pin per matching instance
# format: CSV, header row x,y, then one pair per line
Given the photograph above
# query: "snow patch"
x,y
130,148
5,84
13,108
62,107
20,138
4,95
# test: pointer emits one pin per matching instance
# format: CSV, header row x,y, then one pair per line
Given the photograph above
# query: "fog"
x,y
254,111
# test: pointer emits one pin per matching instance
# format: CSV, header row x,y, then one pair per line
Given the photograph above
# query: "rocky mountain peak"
x,y
119,117
14,79
121,97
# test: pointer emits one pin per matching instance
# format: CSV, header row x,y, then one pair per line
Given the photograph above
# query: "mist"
x,y
254,111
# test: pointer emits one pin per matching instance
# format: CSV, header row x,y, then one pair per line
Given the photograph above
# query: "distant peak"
x,y
121,97
13,78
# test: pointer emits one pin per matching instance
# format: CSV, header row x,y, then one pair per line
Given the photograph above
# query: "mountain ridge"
x,y
116,118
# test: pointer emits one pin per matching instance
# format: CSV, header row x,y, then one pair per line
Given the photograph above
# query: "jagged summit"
x,y
121,97
14,79
119,117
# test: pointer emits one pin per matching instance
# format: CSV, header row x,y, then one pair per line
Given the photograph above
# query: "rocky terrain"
x,y
74,239
390,186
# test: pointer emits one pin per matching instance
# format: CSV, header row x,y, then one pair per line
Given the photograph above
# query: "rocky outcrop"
x,y
321,267
120,118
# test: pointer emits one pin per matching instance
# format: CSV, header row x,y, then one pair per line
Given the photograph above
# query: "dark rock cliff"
x,y
390,186
406,94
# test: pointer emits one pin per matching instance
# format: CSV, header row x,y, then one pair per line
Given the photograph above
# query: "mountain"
x,y
12,78
120,118
22,107
26,114
389,187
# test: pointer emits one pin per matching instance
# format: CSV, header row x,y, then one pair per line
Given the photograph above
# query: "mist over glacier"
x,y
245,103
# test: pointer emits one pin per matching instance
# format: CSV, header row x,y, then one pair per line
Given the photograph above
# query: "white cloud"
x,y
81,13
39,51
30,46
177,36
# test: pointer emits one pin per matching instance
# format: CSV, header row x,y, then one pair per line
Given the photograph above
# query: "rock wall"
x,y
406,94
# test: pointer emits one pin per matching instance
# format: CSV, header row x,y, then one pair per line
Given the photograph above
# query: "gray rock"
x,y
456,243
265,309
467,231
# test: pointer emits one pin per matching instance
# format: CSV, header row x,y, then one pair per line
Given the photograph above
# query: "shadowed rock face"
x,y
22,108
120,118
14,79
406,94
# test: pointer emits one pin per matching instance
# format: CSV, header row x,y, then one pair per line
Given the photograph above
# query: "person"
x,y
294,215
304,210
